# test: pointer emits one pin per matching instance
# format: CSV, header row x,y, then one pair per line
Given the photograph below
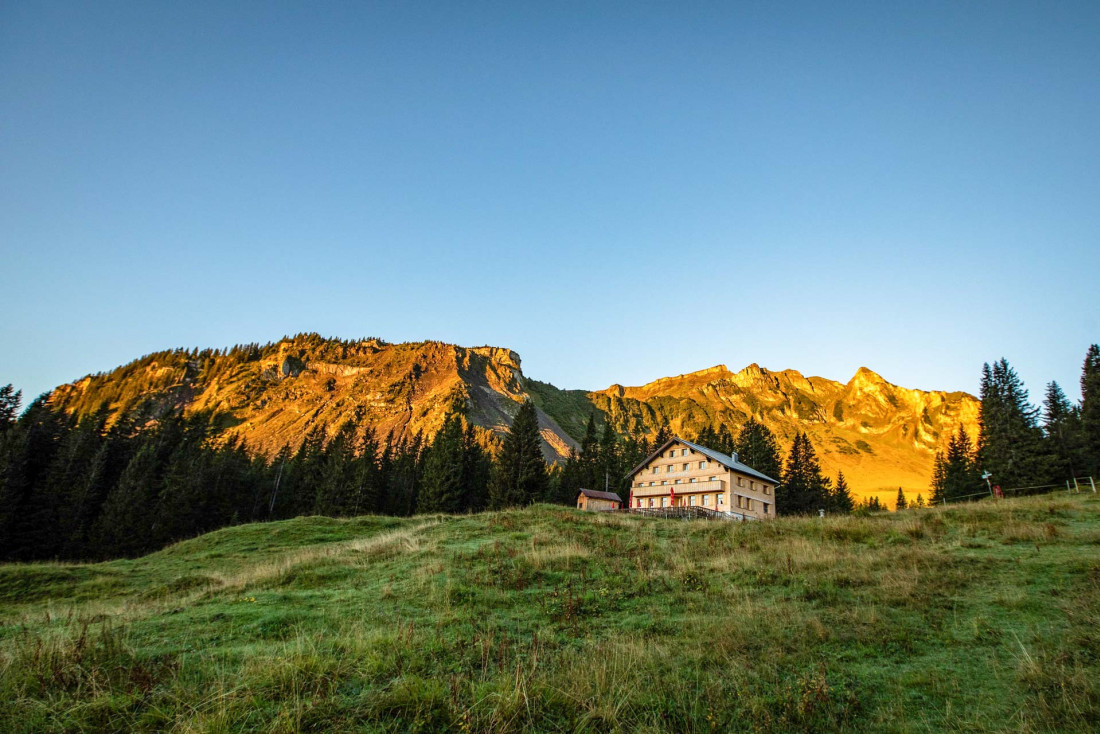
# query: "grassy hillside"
x,y
980,618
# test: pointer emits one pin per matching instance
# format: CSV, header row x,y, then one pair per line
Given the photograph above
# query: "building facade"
x,y
590,499
684,474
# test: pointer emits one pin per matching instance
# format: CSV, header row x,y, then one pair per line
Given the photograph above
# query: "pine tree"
x,y
841,497
610,470
1009,444
901,502
664,433
803,489
519,476
1062,431
939,479
961,476
919,503
757,447
476,472
442,488
334,491
1090,411
9,406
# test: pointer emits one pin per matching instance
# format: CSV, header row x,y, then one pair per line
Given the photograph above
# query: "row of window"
x,y
686,467
683,452
702,465
664,482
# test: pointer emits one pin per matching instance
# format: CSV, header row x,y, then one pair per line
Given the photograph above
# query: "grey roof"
x,y
730,462
593,494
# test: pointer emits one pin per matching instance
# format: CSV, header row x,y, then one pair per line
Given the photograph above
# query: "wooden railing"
x,y
686,513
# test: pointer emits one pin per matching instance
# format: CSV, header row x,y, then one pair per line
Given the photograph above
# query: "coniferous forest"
x,y
105,486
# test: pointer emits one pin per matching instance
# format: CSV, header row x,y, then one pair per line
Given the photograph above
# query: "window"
x,y
706,499
683,452
693,479
664,482
721,499
767,489
672,453
702,465
752,484
687,466
765,508
678,481
714,479
691,500
651,502
656,469
748,503
664,502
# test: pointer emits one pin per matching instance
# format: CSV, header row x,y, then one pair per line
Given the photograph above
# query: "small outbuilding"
x,y
590,499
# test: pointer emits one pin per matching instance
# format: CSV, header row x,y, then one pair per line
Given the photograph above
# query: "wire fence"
x,y
1074,485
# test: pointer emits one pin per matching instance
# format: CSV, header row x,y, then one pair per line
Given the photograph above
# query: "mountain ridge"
x,y
880,434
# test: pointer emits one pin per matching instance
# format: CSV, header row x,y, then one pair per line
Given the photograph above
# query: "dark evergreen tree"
x,y
757,446
519,476
442,487
1009,444
10,398
335,490
1062,430
476,471
939,479
841,500
803,489
901,503
961,475
1090,412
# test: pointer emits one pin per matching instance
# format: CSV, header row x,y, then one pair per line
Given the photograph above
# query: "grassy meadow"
x,y
979,618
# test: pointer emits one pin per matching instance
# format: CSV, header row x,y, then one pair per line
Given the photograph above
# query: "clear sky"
x,y
617,191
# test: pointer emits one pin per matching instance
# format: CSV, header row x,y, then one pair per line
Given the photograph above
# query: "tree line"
x,y
89,488
1022,446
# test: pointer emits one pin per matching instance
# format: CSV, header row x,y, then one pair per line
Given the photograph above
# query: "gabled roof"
x,y
594,495
730,462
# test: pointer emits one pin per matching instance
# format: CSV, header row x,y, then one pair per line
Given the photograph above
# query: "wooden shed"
x,y
590,499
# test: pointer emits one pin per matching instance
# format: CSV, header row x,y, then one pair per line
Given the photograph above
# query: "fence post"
x,y
1093,485
1076,486
1067,486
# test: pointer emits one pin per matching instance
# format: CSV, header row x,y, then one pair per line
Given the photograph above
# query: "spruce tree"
x,y
442,489
1090,411
476,470
757,447
961,475
520,476
939,479
901,503
1009,444
9,406
1062,430
841,498
803,489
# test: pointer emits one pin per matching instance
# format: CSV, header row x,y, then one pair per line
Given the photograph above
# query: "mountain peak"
x,y
865,374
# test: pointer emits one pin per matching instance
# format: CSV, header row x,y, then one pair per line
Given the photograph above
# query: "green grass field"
x,y
970,618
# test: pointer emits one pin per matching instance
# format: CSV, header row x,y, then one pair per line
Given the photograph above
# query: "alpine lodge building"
x,y
684,474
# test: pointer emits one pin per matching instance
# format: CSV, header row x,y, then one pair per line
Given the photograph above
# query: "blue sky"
x,y
617,191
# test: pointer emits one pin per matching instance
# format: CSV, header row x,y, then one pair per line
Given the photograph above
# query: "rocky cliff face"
x,y
881,435
273,396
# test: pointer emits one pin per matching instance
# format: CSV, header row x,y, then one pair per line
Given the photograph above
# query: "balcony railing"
x,y
662,490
